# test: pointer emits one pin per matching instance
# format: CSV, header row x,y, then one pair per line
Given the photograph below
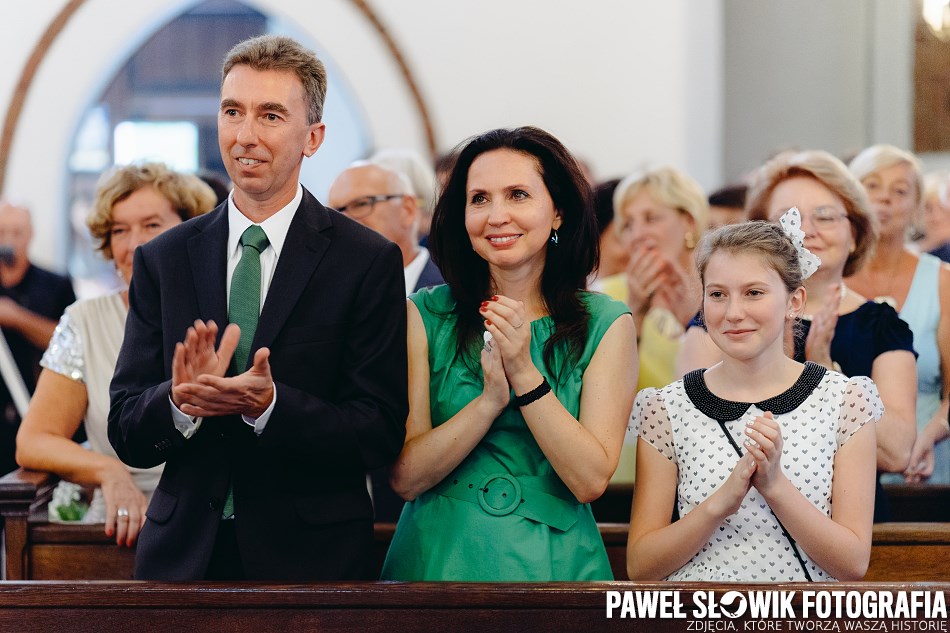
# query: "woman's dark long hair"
x,y
567,263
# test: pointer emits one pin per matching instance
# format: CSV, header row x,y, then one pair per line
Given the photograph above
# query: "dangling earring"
x,y
690,240
554,236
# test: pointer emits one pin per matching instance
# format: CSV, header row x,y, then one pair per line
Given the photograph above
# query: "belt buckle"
x,y
511,491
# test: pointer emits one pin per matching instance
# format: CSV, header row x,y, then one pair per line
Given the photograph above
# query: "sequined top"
x,y
84,348
817,415
64,354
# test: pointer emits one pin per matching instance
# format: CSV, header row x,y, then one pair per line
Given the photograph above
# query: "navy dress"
x,y
860,337
942,251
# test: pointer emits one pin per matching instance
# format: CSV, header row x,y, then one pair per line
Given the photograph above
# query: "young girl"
x,y
771,462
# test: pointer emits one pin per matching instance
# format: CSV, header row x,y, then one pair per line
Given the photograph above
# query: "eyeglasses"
x,y
362,207
826,216
823,217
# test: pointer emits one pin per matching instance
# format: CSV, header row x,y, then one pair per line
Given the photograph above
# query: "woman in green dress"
x,y
504,448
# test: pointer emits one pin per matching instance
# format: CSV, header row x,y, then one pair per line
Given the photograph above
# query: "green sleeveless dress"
x,y
503,514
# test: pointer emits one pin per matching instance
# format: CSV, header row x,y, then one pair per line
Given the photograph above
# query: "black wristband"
x,y
535,394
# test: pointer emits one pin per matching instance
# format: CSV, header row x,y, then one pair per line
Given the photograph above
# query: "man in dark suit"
x,y
383,200
268,428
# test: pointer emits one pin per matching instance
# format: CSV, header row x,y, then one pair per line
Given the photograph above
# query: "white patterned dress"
x,y
684,421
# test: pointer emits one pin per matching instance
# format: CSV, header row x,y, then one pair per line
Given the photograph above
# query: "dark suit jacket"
x,y
431,276
335,322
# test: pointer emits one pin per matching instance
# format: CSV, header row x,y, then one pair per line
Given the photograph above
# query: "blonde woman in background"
x,y
133,205
660,215
917,285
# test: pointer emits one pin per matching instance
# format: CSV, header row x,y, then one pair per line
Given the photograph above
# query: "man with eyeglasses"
x,y
383,200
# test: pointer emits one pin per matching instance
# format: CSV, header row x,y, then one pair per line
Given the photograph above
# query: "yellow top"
x,y
660,337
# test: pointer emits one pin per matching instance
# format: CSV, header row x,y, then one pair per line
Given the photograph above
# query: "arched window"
x,y
162,104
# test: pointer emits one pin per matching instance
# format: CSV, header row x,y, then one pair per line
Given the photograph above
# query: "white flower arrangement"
x,y
67,503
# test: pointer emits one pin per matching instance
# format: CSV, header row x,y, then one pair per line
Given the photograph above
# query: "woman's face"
x,y
746,304
828,233
509,213
893,194
135,220
647,224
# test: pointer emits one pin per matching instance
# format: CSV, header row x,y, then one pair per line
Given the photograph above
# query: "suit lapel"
x,y
303,249
207,252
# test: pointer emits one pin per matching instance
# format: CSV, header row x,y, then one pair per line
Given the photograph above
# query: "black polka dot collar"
x,y
717,408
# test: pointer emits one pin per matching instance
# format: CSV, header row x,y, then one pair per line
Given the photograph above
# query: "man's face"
x,y
263,135
394,218
16,230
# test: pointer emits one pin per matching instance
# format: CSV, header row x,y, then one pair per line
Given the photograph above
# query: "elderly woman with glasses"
x,y
840,329
917,285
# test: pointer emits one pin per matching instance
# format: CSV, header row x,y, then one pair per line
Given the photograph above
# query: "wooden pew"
x,y
910,552
900,552
39,550
381,607
23,498
926,503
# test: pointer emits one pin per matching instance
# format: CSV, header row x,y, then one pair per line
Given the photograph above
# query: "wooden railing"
x,y
910,552
389,607
39,550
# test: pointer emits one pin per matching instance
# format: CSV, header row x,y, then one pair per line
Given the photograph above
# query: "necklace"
x,y
843,292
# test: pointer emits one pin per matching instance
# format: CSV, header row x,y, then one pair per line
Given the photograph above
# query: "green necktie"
x,y
244,308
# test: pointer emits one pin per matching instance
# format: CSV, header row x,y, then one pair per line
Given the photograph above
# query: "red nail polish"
x,y
494,298
487,322
484,304
483,309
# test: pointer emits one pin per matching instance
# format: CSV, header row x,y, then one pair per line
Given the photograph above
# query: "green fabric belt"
x,y
537,498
